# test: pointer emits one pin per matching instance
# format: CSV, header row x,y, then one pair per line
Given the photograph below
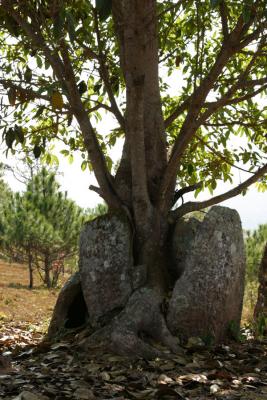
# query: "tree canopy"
x,y
181,80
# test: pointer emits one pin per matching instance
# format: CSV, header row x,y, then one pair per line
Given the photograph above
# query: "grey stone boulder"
x,y
70,310
184,233
106,266
208,297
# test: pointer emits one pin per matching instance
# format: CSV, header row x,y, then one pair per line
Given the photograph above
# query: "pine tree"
x,y
42,227
255,242
5,194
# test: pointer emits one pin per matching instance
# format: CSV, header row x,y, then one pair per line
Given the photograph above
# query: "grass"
x,y
18,303
249,302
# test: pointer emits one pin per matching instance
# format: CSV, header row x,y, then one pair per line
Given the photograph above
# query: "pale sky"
x,y
252,207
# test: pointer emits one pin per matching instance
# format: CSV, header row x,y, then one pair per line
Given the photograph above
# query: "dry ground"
x,y
60,371
19,303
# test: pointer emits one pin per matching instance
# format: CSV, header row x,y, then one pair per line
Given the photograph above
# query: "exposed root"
x,y
141,317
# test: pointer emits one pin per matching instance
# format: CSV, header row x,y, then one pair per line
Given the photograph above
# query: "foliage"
x,y
5,194
42,225
39,38
254,246
100,209
254,243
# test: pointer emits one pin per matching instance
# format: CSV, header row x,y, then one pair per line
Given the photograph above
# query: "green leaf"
x,y
39,111
246,13
213,185
71,23
83,165
214,3
71,159
190,169
10,137
104,8
39,62
82,87
12,95
19,134
28,75
59,22
37,151
246,157
97,87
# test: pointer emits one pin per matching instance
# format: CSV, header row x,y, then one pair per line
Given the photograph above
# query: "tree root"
x,y
141,317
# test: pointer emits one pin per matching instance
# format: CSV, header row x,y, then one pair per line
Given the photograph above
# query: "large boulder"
x,y
70,310
184,233
207,298
106,266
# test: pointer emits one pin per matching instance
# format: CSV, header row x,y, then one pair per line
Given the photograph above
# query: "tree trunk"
x,y
126,285
30,267
261,305
47,266
133,306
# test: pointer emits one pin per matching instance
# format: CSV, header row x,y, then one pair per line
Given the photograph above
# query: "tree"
x,y
66,63
256,251
260,311
64,218
41,227
5,194
255,242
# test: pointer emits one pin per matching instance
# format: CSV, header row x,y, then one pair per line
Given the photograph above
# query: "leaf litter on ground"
x,y
32,369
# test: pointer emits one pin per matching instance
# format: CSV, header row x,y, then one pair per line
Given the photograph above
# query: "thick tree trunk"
x,y
144,157
124,313
126,295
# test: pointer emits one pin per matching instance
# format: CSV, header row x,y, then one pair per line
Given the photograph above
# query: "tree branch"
x,y
229,47
104,74
196,206
170,8
181,192
226,101
224,19
221,156
96,156
29,93
96,190
239,123
177,112
64,72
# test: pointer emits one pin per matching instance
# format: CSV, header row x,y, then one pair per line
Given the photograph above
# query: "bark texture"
x,y
207,299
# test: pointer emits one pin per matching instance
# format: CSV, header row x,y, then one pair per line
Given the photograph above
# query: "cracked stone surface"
x,y
207,299
106,265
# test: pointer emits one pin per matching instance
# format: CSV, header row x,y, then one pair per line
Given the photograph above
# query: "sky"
x,y
252,207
